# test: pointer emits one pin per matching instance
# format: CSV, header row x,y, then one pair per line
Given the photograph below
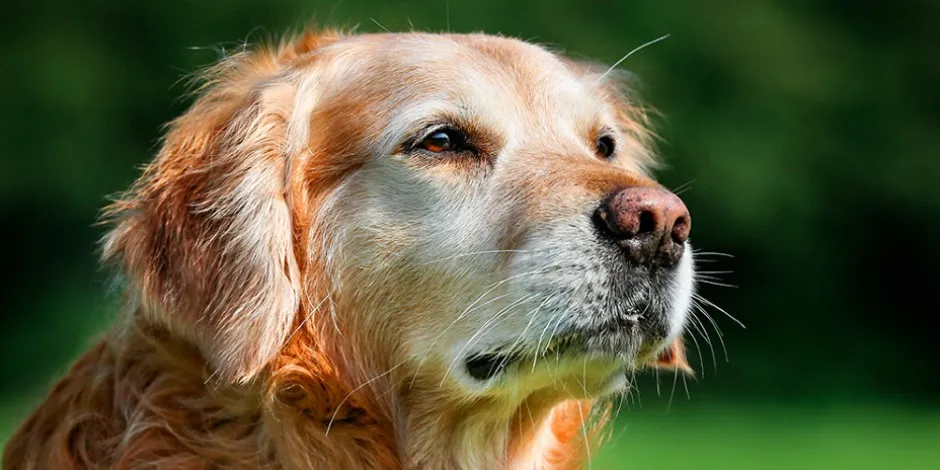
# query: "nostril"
x,y
601,221
680,230
647,222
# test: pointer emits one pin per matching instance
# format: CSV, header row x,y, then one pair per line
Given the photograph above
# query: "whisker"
x,y
494,286
427,351
633,388
708,339
623,398
716,283
685,384
315,309
538,346
469,309
472,253
529,411
209,378
584,377
698,253
708,302
512,348
698,348
675,379
721,336
656,373
627,56
584,424
631,384
555,331
353,391
533,314
483,330
683,187
333,315
379,24
447,14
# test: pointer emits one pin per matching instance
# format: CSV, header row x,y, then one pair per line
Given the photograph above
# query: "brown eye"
x,y
605,147
440,141
445,139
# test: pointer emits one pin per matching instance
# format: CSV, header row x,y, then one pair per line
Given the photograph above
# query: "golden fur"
x,y
252,339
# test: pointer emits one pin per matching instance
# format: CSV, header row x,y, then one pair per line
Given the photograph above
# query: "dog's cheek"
x,y
413,254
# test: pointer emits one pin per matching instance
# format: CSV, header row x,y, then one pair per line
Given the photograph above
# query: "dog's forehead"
x,y
454,55
480,73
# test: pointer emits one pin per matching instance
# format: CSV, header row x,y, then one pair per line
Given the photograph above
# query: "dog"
x,y
380,251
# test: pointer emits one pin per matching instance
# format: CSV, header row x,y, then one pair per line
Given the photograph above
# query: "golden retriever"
x,y
380,251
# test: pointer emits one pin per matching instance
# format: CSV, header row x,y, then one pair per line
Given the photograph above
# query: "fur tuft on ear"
x,y
205,236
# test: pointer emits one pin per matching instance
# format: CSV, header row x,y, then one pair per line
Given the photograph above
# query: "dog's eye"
x,y
605,146
443,140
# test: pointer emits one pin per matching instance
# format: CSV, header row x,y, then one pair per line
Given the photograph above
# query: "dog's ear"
x,y
205,236
673,358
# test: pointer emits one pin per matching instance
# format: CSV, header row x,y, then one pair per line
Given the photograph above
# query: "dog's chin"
x,y
597,355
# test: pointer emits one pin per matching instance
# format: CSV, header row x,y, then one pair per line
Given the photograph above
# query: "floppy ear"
x,y
673,358
205,236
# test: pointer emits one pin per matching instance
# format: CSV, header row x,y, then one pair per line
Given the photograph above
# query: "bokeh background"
x,y
807,134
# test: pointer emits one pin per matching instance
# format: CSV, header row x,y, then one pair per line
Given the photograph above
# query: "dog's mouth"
x,y
605,342
486,365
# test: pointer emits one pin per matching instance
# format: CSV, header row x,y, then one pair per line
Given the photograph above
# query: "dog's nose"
x,y
650,224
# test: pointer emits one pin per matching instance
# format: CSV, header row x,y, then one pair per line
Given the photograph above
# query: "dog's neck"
x,y
396,423
538,432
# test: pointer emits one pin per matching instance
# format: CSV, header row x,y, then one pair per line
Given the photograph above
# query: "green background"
x,y
809,131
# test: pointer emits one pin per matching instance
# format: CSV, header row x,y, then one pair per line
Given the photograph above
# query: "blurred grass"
x,y
768,438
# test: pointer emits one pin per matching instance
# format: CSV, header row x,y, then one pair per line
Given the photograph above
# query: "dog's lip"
x,y
488,364
485,365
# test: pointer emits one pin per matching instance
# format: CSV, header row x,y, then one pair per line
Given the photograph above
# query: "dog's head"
x,y
471,212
